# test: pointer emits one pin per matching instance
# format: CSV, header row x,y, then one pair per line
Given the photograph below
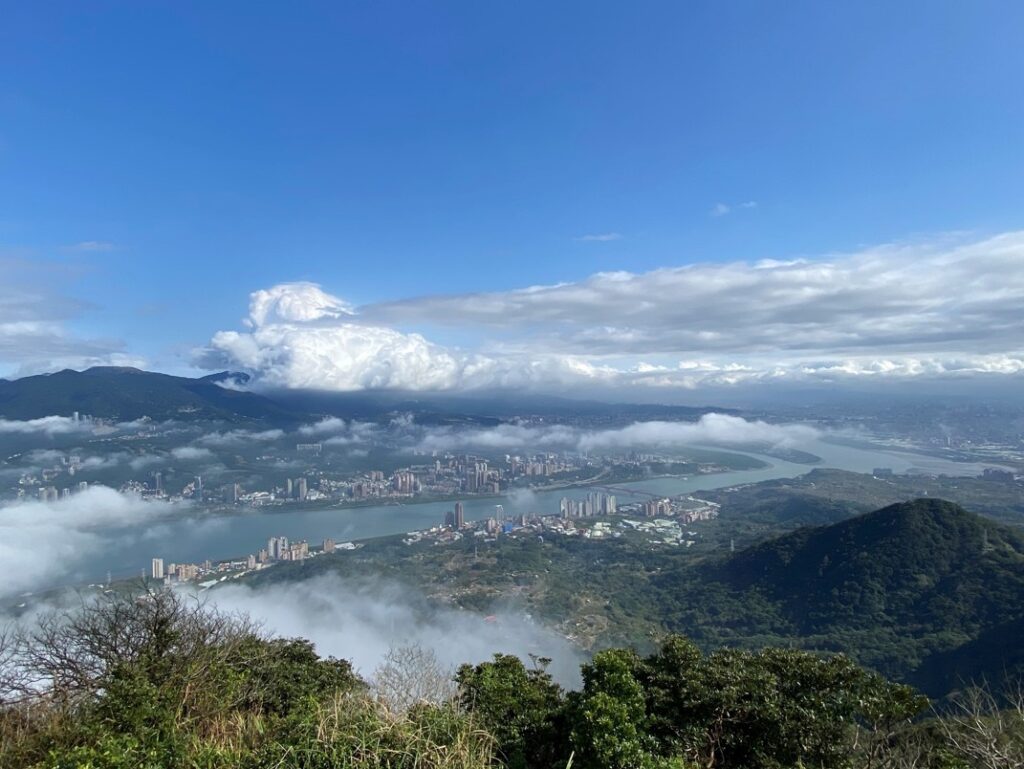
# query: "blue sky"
x,y
161,161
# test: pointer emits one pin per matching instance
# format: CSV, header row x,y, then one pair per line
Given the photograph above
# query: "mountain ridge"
x,y
900,588
126,393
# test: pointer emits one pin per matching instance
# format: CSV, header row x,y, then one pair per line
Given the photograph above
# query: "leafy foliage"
x,y
732,709
152,680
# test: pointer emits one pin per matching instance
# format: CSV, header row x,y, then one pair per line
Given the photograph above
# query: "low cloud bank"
x,y
240,437
717,429
714,429
52,425
41,542
362,620
191,453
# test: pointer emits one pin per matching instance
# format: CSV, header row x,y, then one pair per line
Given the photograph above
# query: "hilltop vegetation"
x,y
152,680
893,586
898,590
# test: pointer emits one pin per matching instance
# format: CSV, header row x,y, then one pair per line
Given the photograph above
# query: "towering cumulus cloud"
x,y
302,337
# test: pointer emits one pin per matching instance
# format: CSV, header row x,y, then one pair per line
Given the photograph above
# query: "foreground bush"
x,y
157,681
736,710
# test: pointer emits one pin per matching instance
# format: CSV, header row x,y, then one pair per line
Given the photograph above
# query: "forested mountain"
x,y
922,591
124,394
892,587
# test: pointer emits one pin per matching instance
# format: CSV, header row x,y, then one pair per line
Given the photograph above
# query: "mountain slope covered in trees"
x,y
899,589
892,587
124,394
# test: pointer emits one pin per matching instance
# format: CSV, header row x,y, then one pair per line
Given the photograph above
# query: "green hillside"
x,y
891,587
899,589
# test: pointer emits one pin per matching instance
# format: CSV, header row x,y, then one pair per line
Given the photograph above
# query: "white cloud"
x,y
325,426
289,302
338,357
361,621
604,237
144,460
717,429
338,432
722,209
41,542
934,310
507,436
239,437
301,337
189,453
34,333
919,299
51,425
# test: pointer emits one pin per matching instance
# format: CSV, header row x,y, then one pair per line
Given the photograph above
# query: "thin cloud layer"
x,y
717,429
191,453
892,312
888,299
240,437
34,323
712,429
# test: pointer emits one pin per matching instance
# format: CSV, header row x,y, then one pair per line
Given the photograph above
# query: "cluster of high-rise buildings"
x,y
657,507
541,465
177,572
405,482
458,474
595,504
296,489
277,549
280,549
455,519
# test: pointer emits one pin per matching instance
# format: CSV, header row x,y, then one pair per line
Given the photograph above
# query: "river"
x,y
200,537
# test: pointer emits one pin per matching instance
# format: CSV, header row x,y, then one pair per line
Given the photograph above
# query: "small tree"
x,y
412,675
985,729
521,707
609,717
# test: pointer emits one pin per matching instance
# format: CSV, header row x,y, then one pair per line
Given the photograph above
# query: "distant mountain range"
x,y
123,394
